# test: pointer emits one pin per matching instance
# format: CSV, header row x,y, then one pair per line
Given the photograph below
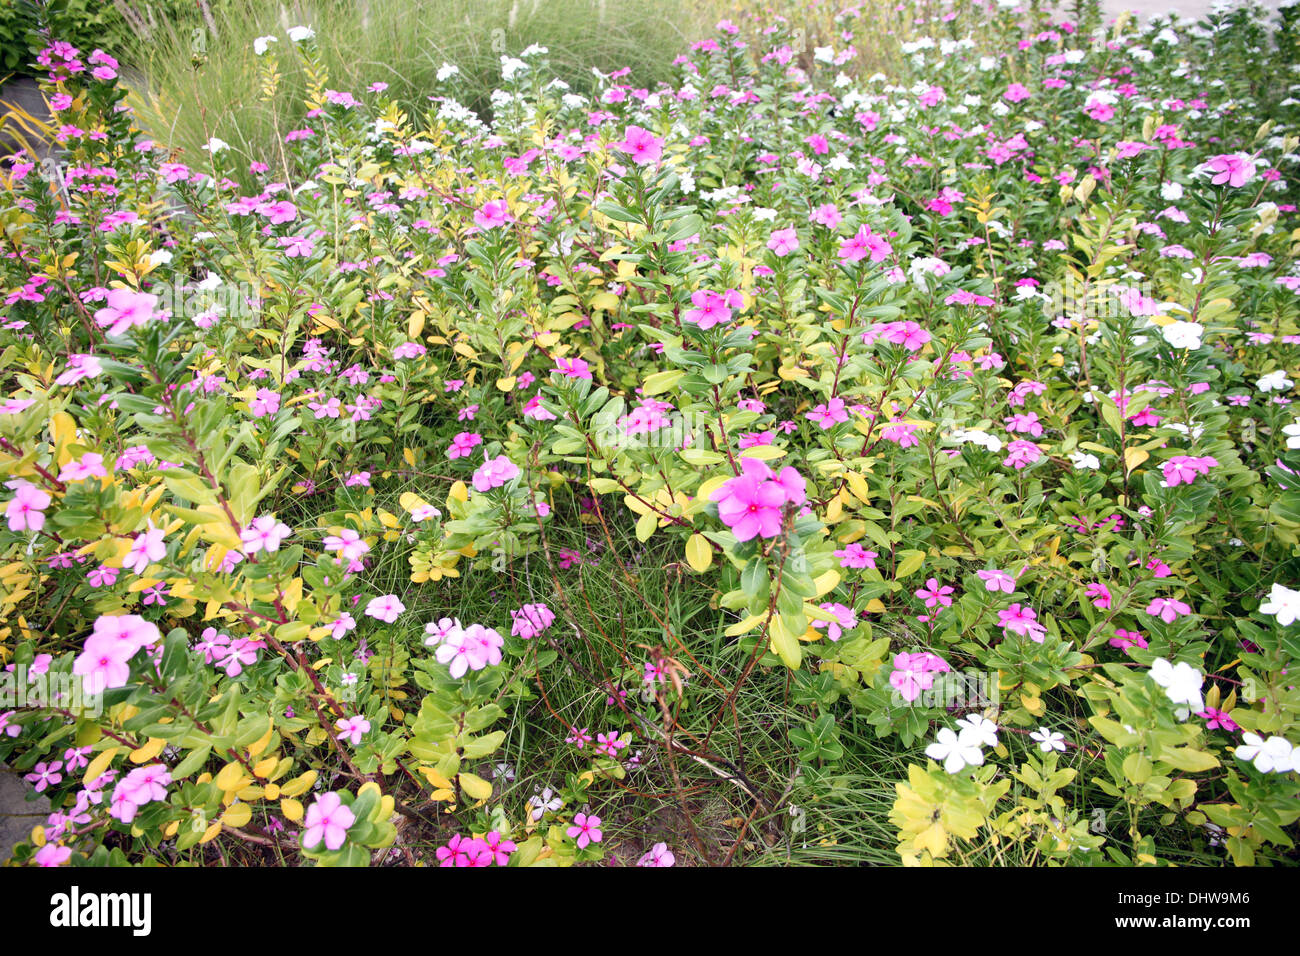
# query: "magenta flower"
x,y
45,775
463,444
1022,621
658,855
865,243
1183,469
494,473
327,820
499,848
1217,719
751,503
264,534
856,556
1235,169
492,215
126,310
387,608
1168,609
1127,640
710,309
935,594
641,145
26,510
995,580
829,414
1100,595
585,830
352,729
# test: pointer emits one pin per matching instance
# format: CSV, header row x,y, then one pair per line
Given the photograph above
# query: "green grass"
x,y
210,86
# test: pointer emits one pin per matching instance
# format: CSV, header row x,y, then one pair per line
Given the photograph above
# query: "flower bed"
x,y
707,448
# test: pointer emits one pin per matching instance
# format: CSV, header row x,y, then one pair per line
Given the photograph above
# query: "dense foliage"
x,y
730,443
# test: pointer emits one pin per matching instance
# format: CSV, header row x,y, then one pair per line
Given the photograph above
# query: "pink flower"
x,y
26,510
1022,621
752,503
499,849
386,608
585,830
147,547
328,820
783,241
864,243
463,444
1168,609
641,145
914,673
995,580
114,640
1235,169
1217,719
579,738
52,854
935,594
844,620
470,648
710,309
1100,595
855,556
531,620
265,402
126,310
494,473
1183,469
264,534
658,855
573,368
45,775
493,214
1127,640
352,729
1021,453
829,414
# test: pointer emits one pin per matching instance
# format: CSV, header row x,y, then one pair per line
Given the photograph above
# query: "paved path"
x,y
17,814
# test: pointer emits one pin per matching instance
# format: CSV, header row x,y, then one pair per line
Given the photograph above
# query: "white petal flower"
x,y
1048,740
300,34
955,752
1283,602
261,44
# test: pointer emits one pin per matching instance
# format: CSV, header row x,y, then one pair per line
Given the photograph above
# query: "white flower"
x,y
1171,192
1275,755
1274,381
979,730
510,66
824,54
1183,335
955,752
299,34
1085,461
1182,683
159,257
215,145
535,49
446,72
547,802
1283,602
261,44
1292,432
1048,740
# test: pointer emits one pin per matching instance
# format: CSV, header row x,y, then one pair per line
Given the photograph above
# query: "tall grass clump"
x,y
206,82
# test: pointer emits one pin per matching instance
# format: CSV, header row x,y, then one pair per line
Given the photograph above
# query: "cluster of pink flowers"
x,y
114,640
463,648
753,503
141,786
491,848
914,673
1183,469
531,620
494,473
